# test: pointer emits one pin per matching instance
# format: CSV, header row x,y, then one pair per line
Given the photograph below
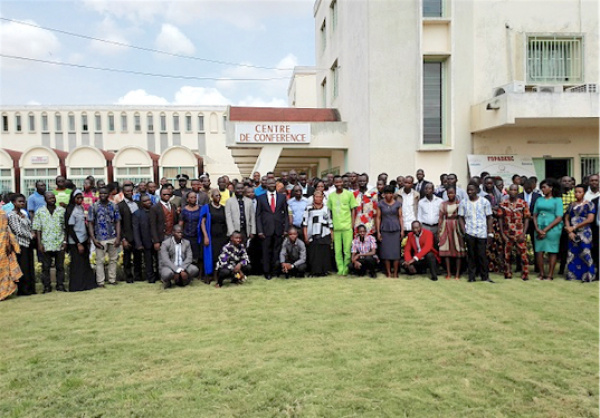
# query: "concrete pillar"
x,y
322,166
267,159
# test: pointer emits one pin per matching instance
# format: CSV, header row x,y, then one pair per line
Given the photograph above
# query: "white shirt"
x,y
178,258
589,195
166,204
408,211
133,206
527,197
271,195
429,211
417,237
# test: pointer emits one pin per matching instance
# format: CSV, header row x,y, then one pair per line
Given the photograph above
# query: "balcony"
x,y
551,107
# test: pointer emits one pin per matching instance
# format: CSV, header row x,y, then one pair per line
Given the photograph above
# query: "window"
x,y
98,120
18,125
124,122
224,122
31,122
589,165
135,174
79,174
150,122
200,123
433,89
171,173
58,122
188,123
323,36
552,59
31,175
163,122
175,122
335,72
433,8
334,12
44,122
111,122
4,123
324,93
71,122
6,180
84,122
137,122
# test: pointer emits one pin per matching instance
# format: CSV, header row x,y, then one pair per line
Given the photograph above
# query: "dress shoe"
x,y
471,280
47,289
113,283
60,288
373,275
129,280
268,276
433,279
489,281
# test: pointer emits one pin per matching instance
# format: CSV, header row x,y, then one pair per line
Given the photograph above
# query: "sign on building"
x,y
272,133
504,166
39,159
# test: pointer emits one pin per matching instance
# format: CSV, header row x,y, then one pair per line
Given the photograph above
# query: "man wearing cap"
x,y
183,189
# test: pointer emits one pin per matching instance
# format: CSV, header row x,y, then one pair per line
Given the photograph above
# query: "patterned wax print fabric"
x,y
104,218
580,265
365,212
52,227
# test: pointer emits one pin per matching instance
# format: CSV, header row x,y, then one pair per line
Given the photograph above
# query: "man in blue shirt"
x,y
36,200
296,206
262,189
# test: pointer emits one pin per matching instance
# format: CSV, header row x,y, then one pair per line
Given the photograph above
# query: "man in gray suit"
x,y
176,260
240,214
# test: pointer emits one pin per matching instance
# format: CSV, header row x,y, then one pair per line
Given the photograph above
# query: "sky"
x,y
276,35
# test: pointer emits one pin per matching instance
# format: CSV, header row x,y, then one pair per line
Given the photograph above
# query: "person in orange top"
x,y
419,253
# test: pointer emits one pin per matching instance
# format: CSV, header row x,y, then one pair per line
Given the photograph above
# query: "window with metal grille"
x,y
433,8
554,59
171,173
433,99
31,175
6,180
589,165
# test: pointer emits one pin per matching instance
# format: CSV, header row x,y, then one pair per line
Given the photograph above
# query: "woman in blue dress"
x,y
213,230
547,219
189,219
579,217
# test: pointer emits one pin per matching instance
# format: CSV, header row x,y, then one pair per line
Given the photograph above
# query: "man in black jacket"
x,y
163,216
127,207
595,237
529,196
143,239
272,222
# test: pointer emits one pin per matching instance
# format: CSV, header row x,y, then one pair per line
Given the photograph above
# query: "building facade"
x,y
424,83
112,142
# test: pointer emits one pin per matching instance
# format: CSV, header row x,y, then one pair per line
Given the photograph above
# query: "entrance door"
x,y
558,167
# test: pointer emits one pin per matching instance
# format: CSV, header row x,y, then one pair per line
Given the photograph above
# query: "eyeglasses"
x,y
167,194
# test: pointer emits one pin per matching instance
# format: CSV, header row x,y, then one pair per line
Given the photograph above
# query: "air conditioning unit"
x,y
584,88
514,87
547,89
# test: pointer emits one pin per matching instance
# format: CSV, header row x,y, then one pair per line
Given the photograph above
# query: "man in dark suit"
x,y
529,196
272,222
143,239
163,216
307,189
595,237
127,207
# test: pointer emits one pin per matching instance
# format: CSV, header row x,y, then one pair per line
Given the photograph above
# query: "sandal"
x,y
448,277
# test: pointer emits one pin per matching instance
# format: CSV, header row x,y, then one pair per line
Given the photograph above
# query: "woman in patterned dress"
x,y
579,217
495,251
10,272
317,225
451,243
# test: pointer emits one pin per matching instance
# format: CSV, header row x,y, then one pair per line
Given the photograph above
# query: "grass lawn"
x,y
313,347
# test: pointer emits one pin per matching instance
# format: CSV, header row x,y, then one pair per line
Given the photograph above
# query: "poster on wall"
x,y
504,166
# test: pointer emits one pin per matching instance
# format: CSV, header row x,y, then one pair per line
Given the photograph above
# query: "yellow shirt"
x,y
225,195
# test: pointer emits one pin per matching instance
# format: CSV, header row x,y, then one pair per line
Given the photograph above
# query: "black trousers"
x,y
136,274
368,265
59,263
26,283
271,246
297,271
427,262
150,264
595,248
225,273
563,251
476,258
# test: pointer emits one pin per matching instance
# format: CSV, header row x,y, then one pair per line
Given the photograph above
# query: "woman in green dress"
x,y
547,219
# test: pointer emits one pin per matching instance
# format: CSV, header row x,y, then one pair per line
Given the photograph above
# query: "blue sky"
x,y
276,34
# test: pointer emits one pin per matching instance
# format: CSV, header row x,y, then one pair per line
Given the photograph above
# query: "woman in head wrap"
x,y
81,275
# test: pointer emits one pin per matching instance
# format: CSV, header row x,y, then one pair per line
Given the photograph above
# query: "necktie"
x,y
273,202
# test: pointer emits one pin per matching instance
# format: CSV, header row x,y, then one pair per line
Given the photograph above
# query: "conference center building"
x,y
505,86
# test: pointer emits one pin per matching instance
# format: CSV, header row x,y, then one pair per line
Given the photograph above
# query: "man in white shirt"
x,y
429,211
593,191
410,203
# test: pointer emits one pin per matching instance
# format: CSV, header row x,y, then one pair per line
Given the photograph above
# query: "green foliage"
x,y
314,347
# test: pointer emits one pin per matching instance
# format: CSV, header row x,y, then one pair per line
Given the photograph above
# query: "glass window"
x,y
589,165
58,122
200,123
334,13
335,72
137,122
324,93
323,34
44,122
18,125
188,123
5,123
553,59
31,122
433,8
98,120
150,122
111,122
432,102
71,122
84,122
163,122
176,122
124,122
224,122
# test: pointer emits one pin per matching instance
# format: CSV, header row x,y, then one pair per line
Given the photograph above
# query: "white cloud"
x,y
260,102
140,97
110,31
26,41
204,96
173,40
33,103
136,11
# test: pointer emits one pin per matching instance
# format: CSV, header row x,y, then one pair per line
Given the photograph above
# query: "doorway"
x,y
557,167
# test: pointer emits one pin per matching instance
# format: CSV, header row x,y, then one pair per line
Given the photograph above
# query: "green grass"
x,y
333,347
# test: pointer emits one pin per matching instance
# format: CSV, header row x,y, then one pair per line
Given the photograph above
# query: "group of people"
x,y
292,226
